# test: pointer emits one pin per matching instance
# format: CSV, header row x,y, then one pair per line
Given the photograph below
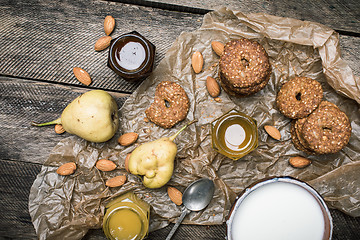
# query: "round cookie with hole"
x,y
244,67
299,97
170,106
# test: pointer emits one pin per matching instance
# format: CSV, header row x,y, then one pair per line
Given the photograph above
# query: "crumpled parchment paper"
x,y
66,207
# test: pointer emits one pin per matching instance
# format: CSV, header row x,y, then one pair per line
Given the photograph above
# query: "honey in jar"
x,y
131,56
126,218
234,134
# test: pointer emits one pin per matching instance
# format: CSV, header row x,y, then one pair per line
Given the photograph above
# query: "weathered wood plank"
x,y
45,40
23,101
338,14
16,179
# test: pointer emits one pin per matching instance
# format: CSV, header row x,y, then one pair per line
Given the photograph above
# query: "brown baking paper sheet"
x,y
66,207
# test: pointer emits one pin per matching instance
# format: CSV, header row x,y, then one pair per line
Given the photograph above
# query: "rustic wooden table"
x,y
41,42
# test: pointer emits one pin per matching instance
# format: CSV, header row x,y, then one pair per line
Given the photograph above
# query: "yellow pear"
x,y
154,160
92,116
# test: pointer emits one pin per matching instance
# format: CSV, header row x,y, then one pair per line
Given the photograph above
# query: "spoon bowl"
x,y
196,197
198,194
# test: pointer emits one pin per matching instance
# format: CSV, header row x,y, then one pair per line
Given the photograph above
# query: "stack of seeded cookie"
x,y
319,127
244,68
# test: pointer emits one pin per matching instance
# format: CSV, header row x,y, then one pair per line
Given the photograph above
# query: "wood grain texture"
x,y
338,14
41,41
45,40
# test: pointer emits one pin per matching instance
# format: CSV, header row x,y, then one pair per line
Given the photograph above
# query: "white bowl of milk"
x,y
280,208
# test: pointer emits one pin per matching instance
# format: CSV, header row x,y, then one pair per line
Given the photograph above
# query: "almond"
x,y
273,132
212,87
218,47
116,181
82,76
299,162
197,62
128,138
109,24
175,195
105,165
127,162
102,43
66,169
59,129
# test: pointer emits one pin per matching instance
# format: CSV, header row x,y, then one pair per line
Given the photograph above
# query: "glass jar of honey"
x,y
126,218
234,134
131,56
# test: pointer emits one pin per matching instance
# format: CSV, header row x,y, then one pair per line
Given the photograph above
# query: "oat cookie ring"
x,y
170,106
244,63
296,140
327,130
242,92
298,126
298,97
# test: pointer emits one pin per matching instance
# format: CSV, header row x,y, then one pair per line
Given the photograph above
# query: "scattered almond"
x,y
175,195
273,132
116,181
102,43
105,165
127,162
66,169
59,129
82,76
299,162
218,47
128,138
109,24
197,62
217,99
212,87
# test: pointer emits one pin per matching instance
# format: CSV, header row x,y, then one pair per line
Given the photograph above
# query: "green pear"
x,y
92,116
154,161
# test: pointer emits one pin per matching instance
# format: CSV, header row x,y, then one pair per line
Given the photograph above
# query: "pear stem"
x,y
181,129
56,121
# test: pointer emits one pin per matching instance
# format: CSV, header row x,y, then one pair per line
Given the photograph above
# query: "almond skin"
x,y
102,43
127,139
273,132
66,169
218,47
197,61
299,162
212,87
59,129
127,162
116,181
105,165
109,24
175,195
82,76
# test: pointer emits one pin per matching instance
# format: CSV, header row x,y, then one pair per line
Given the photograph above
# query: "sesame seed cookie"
x,y
241,92
170,106
244,63
296,141
298,97
327,130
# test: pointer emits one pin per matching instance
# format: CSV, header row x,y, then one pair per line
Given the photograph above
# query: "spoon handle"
x,y
177,224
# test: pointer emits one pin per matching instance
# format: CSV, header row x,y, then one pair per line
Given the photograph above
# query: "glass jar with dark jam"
x,y
234,134
131,56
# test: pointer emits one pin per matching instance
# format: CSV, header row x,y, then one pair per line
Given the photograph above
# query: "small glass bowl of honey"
x,y
234,134
131,56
